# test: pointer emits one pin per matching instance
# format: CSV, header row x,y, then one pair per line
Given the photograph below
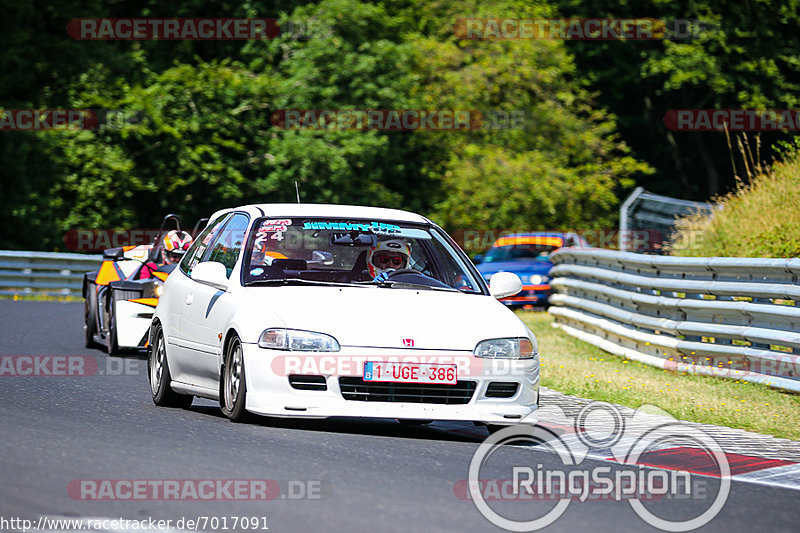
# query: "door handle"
x,y
189,298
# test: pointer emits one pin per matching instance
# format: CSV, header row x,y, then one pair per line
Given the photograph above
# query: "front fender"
x,y
251,317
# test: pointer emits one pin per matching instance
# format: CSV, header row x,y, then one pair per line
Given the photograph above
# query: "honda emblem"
x,y
408,343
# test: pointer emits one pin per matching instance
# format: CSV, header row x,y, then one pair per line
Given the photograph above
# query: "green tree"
x,y
205,140
747,55
564,169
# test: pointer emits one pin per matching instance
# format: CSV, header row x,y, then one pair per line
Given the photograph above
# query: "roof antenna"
x,y
297,189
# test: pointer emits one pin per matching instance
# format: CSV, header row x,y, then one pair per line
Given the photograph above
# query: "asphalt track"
x,y
372,476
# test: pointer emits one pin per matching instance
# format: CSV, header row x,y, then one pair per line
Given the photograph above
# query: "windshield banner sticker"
x,y
373,227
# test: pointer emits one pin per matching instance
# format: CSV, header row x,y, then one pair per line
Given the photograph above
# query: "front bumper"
x,y
270,393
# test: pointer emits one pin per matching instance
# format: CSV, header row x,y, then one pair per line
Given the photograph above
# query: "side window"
x,y
226,248
200,245
454,271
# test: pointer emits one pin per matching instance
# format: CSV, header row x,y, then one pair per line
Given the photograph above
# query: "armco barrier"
x,y
44,273
737,318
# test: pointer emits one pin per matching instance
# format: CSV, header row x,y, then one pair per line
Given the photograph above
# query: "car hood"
x,y
384,317
517,267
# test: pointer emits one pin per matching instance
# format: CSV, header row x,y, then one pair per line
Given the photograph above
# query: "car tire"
x,y
159,376
90,316
112,347
233,385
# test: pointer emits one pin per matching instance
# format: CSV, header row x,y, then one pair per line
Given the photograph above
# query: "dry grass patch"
x,y
761,219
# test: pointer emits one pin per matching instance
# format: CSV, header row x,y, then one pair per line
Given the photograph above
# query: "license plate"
x,y
410,372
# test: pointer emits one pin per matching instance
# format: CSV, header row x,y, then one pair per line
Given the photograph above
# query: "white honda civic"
x,y
307,310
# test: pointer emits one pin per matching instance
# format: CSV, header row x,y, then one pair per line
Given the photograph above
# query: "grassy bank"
x,y
761,219
40,298
575,367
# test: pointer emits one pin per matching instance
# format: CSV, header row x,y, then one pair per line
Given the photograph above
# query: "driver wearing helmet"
x,y
174,245
387,256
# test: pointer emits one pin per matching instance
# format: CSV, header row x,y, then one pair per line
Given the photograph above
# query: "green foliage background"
x,y
205,140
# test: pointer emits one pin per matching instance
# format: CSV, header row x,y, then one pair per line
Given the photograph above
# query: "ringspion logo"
x,y
627,442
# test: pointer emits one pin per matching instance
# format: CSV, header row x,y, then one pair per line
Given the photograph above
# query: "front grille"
x,y
308,382
369,391
501,389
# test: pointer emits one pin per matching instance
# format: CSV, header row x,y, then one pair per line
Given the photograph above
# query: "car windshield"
x,y
356,252
513,252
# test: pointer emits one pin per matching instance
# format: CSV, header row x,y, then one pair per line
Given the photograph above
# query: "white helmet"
x,y
387,256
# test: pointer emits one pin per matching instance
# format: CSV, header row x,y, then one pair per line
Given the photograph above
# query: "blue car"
x,y
528,256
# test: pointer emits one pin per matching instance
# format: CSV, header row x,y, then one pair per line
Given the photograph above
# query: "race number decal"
x,y
271,229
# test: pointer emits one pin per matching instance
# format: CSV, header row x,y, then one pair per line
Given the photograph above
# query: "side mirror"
x,y
211,273
504,284
478,258
113,254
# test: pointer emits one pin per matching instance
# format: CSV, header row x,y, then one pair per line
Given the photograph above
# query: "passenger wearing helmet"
x,y
387,256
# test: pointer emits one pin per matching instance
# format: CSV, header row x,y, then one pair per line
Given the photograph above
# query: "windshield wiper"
x,y
382,283
295,281
403,285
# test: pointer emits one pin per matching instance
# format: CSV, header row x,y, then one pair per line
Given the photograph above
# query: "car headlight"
x,y
296,340
513,348
153,289
536,280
